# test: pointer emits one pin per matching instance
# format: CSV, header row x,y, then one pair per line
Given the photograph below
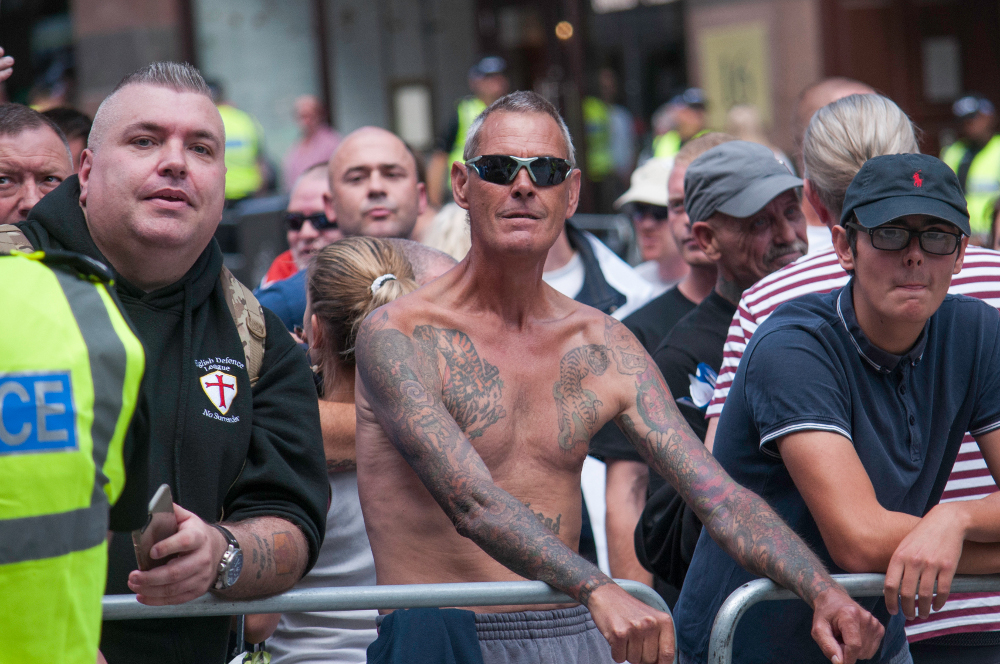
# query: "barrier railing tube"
x,y
720,646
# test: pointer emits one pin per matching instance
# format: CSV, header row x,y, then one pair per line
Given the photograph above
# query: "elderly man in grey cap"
x,y
744,209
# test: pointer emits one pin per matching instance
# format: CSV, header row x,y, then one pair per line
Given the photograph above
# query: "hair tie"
x,y
381,280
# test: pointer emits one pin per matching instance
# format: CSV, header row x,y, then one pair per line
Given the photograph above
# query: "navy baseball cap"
x,y
488,66
737,178
693,97
895,185
970,106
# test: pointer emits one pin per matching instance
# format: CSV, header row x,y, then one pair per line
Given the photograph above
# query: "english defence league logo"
x,y
220,388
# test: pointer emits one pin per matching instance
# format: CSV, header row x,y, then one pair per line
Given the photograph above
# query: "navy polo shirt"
x,y
810,367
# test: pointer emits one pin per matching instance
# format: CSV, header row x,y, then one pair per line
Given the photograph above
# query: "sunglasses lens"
x,y
497,169
549,171
320,222
643,210
294,220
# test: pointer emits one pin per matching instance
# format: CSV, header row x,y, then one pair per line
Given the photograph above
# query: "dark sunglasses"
x,y
894,238
638,211
318,221
501,169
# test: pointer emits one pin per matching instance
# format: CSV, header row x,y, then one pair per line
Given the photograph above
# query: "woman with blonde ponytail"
x,y
347,280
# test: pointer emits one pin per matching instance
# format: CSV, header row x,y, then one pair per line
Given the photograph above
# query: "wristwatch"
x,y
232,561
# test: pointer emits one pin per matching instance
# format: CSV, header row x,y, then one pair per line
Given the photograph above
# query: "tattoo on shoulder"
x,y
577,407
471,386
548,522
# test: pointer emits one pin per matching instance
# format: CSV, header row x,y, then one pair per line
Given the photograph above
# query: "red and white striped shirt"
x,y
969,479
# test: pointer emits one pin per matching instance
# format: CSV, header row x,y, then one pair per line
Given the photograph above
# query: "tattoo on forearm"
x,y
285,553
548,522
577,407
739,520
340,465
471,387
409,398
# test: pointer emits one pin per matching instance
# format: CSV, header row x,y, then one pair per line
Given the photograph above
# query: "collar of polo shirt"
x,y
879,359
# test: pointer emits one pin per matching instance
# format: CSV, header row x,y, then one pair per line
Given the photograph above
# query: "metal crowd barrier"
x,y
720,646
126,607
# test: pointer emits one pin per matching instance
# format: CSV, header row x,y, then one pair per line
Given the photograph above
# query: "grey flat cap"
x,y
737,178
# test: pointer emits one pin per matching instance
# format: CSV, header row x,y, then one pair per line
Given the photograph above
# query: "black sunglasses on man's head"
x,y
294,220
502,169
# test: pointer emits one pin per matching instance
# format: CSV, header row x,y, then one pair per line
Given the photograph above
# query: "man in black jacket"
x,y
147,201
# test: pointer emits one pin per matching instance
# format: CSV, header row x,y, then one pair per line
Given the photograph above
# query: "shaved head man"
x,y
477,396
147,201
34,159
374,189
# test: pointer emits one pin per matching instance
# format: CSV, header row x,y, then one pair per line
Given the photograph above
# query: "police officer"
x,y
244,170
975,157
70,368
488,82
688,116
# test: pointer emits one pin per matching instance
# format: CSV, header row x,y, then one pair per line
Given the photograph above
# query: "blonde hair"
x,y
449,231
845,134
348,280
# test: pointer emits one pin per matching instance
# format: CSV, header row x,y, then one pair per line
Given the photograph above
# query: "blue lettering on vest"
x,y
36,413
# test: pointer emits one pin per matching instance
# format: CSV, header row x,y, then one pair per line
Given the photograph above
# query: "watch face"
x,y
234,569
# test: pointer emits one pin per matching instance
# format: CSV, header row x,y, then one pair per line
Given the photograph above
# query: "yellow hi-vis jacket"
x,y
70,368
468,110
243,176
982,184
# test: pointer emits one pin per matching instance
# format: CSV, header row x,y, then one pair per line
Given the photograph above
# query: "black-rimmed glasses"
x,y
502,169
895,238
295,220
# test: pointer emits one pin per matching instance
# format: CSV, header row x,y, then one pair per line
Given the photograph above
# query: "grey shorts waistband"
x,y
534,624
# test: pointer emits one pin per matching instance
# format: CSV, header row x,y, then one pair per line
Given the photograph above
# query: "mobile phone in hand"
x,y
160,525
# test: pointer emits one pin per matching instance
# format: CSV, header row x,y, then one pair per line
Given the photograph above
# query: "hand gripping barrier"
x,y
126,607
720,646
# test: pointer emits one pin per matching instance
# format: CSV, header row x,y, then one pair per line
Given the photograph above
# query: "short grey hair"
x,y
180,77
18,118
845,134
522,101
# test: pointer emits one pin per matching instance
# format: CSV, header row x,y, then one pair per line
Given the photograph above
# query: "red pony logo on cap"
x,y
917,180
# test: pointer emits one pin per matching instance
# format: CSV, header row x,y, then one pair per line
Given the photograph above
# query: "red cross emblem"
x,y
917,180
220,388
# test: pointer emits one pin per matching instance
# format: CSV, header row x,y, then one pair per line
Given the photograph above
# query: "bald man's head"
x,y
374,188
820,94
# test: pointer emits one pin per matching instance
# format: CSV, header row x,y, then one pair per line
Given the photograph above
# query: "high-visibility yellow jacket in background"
x,y
982,183
597,122
468,110
243,176
70,368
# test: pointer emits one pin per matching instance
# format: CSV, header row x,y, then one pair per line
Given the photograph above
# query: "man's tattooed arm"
x,y
406,397
739,520
275,554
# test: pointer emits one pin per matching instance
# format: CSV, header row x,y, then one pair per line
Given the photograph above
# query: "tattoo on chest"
x,y
548,522
471,387
577,407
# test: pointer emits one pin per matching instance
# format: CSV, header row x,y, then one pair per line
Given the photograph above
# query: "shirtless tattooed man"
x,y
478,394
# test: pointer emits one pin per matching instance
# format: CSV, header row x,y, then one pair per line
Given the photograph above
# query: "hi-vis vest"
x,y
243,176
597,121
70,369
468,110
982,185
669,144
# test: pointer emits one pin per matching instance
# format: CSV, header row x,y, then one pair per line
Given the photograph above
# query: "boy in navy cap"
x,y
847,413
